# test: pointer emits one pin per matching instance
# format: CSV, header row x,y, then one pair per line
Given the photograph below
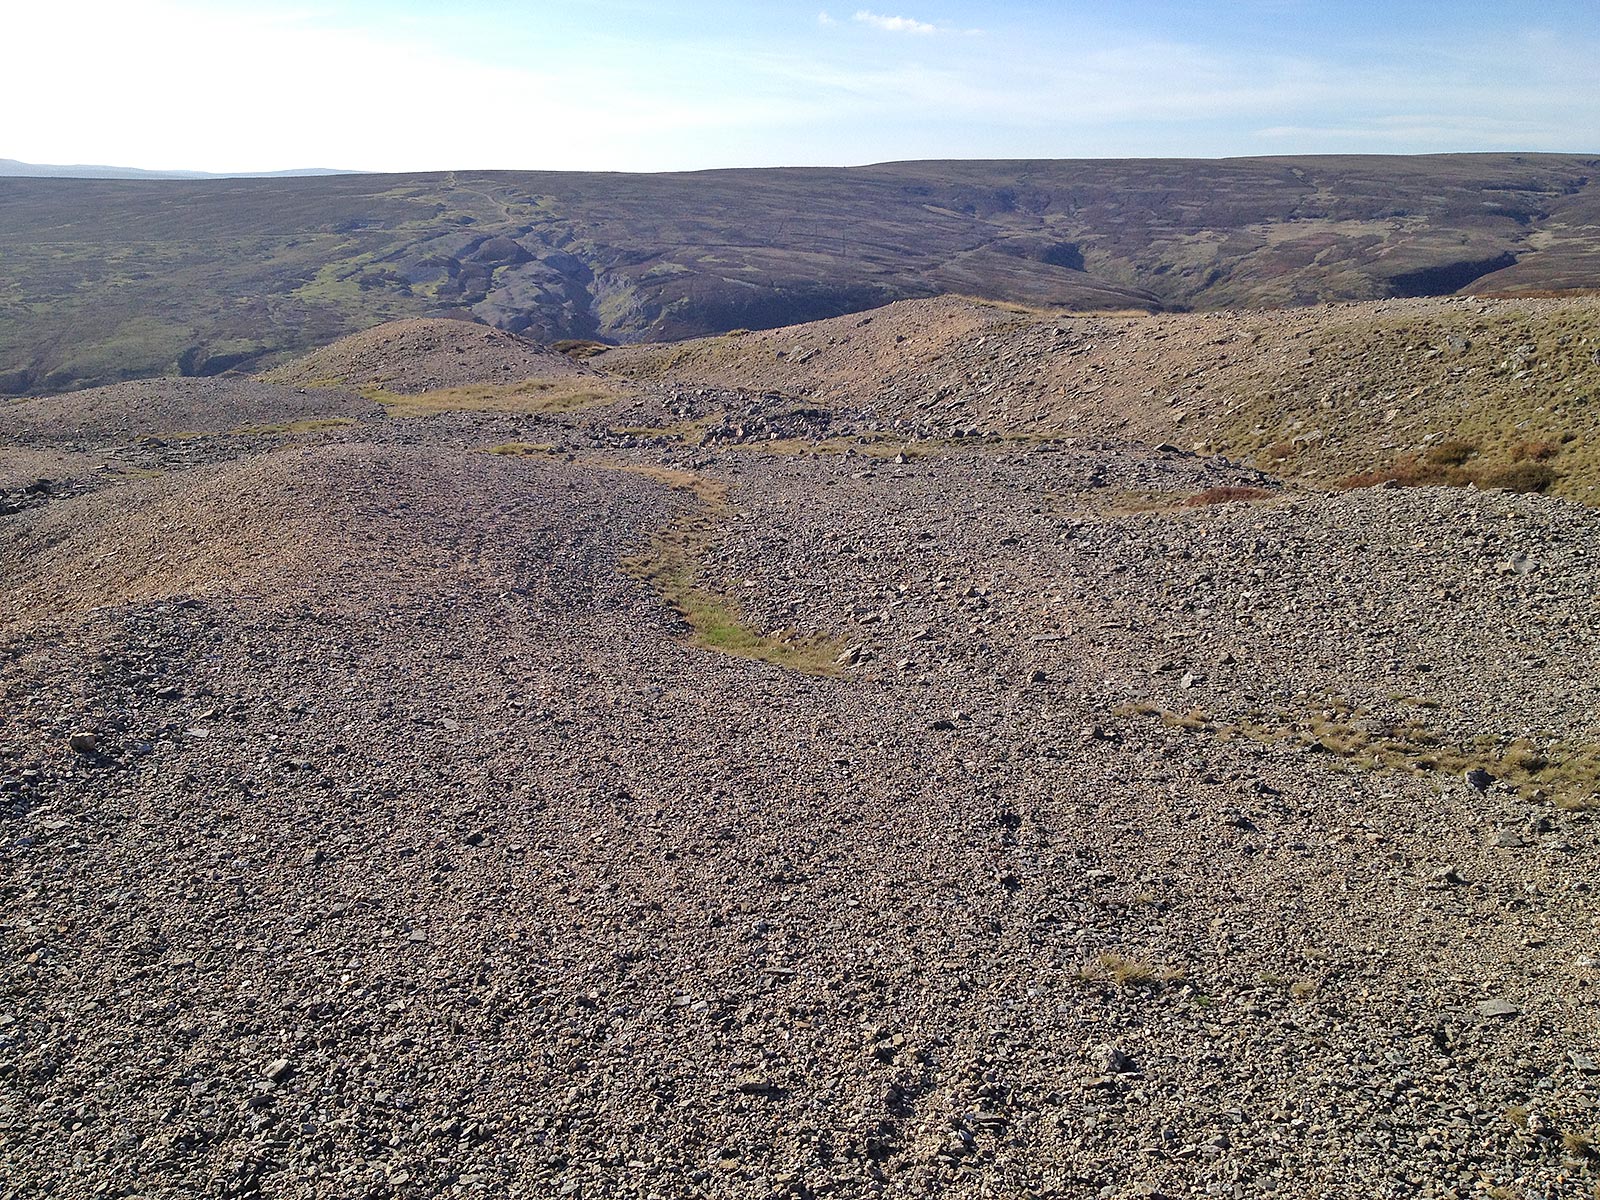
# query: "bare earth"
x,y
387,817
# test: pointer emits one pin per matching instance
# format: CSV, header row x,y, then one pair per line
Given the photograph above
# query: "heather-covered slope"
x,y
106,280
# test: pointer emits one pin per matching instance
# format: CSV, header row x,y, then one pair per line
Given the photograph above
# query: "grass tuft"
x,y
1129,973
579,348
1453,453
521,449
1579,1145
1565,775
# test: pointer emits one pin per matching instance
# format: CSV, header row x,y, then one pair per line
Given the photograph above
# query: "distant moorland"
x,y
102,280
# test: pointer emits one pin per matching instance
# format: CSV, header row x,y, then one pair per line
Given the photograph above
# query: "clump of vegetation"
x,y
672,567
1227,495
579,348
1129,973
1453,453
521,449
1194,719
526,398
1565,775
1535,451
1280,451
1529,476
1410,471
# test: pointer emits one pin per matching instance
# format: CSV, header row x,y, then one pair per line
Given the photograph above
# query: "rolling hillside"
x,y
102,280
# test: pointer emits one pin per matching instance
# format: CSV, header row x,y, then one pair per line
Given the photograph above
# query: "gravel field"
x,y
372,825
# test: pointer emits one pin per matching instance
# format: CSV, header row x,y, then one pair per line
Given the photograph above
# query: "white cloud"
x,y
824,18
1435,131
894,24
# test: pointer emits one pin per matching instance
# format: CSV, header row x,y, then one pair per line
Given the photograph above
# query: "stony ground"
x,y
1317,394
370,829
426,354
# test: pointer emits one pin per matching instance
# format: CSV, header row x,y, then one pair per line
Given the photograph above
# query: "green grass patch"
x,y
717,621
521,449
527,398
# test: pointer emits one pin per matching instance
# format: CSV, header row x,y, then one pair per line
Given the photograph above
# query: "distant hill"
x,y
109,279
10,168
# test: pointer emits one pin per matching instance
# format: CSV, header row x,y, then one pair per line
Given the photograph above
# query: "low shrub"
x,y
1410,472
1453,453
1227,495
579,348
1521,477
1535,451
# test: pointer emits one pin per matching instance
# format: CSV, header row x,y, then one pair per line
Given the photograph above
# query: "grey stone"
x,y
1117,1061
1498,1008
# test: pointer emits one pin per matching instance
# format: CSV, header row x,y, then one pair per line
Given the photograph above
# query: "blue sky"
x,y
629,85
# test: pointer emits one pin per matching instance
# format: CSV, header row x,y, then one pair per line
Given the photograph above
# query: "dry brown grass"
x,y
1227,495
1129,973
1528,476
1408,471
579,348
1579,1145
1565,775
526,398
1453,453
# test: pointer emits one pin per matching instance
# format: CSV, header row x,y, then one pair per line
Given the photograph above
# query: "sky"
x,y
399,85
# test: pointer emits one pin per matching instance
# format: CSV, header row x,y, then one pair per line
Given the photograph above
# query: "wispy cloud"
x,y
895,24
1430,130
825,18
